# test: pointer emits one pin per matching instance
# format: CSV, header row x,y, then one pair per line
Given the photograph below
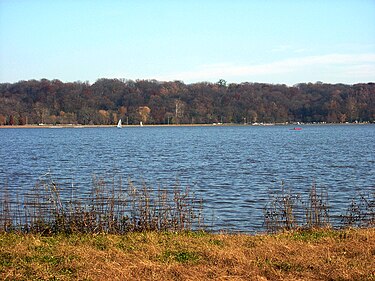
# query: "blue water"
x,y
234,168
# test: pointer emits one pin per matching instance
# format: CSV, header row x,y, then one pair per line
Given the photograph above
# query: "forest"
x,y
154,102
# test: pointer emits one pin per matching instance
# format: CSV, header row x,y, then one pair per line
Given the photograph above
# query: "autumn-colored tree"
x,y
104,116
144,112
3,120
151,101
11,120
179,110
122,111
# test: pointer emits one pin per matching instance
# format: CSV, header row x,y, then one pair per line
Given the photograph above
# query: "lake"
x,y
234,169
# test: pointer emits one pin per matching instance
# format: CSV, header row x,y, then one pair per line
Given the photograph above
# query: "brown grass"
x,y
309,255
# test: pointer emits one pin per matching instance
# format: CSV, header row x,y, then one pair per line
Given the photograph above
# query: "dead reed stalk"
x,y
107,208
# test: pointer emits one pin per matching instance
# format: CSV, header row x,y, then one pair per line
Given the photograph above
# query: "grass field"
x,y
322,254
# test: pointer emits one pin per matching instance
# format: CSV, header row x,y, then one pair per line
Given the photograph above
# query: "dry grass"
x,y
308,255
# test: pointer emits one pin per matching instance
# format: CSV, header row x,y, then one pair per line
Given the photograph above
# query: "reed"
x,y
115,207
286,210
106,208
361,211
281,210
317,208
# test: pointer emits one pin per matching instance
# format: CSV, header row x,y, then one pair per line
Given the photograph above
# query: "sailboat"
x,y
119,124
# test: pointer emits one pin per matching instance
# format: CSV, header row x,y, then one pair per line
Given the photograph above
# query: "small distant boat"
x,y
141,124
297,129
119,124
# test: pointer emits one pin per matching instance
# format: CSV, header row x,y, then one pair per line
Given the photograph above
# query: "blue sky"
x,y
285,42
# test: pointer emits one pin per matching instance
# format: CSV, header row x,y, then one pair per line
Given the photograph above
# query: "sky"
x,y
278,42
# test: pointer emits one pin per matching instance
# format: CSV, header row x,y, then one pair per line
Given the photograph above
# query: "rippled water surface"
x,y
232,168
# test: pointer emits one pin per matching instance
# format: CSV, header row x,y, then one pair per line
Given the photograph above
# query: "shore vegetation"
x,y
124,231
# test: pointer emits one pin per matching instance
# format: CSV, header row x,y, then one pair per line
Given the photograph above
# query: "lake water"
x,y
233,168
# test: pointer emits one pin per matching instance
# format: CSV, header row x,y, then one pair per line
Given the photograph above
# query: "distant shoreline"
x,y
105,126
50,126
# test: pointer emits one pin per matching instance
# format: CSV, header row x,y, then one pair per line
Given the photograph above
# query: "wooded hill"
x,y
155,102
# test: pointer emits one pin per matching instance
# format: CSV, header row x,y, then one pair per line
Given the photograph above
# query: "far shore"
x,y
104,126
51,126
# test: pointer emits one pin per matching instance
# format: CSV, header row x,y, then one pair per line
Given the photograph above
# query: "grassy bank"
x,y
309,255
120,231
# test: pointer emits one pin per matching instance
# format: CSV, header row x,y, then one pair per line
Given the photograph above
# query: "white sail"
x,y
119,125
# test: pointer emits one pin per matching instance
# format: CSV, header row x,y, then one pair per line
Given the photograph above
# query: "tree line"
x,y
154,102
